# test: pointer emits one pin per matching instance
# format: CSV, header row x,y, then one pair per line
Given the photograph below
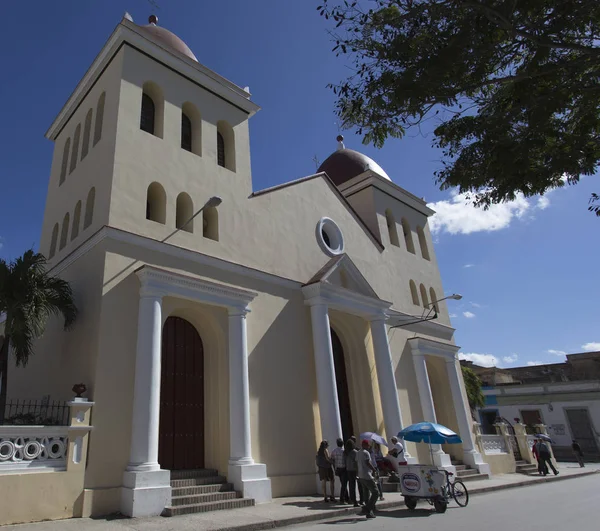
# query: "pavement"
x,y
301,510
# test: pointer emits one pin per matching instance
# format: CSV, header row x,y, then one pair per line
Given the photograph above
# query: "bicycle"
x,y
451,489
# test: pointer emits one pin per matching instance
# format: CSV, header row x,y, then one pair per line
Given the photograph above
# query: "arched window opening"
x,y
191,128
225,145
434,299
414,293
410,246
424,298
210,223
152,112
392,230
65,161
75,151
423,243
156,203
87,128
64,231
99,118
89,208
54,241
184,212
76,221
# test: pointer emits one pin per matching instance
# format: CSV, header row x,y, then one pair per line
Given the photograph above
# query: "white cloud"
x,y
560,353
484,360
591,347
476,305
534,363
466,266
453,315
469,315
510,359
543,203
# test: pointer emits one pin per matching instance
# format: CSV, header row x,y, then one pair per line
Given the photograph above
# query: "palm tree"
x,y
28,296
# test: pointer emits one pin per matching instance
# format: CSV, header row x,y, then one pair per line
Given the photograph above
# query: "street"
x,y
551,506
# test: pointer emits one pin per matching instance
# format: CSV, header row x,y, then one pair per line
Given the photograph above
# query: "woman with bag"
x,y
325,466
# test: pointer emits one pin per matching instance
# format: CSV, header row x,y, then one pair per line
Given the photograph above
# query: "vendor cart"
x,y
427,482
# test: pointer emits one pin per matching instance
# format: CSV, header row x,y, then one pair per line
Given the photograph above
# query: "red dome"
x,y
164,36
345,164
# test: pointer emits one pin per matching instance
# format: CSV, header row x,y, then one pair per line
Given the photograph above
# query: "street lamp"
x,y
454,296
432,306
214,201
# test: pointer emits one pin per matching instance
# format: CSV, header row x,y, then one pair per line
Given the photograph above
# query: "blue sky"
x,y
527,270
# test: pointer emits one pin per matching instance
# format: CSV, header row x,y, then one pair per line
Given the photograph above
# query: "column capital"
x,y
379,316
451,358
238,311
150,290
316,301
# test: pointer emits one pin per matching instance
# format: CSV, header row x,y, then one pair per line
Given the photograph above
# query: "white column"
x,y
239,390
329,410
146,488
471,455
248,477
388,390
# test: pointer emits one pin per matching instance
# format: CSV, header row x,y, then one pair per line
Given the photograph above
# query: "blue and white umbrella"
x,y
430,433
372,436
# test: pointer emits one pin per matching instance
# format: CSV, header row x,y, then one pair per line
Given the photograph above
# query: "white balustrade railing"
x,y
23,447
494,444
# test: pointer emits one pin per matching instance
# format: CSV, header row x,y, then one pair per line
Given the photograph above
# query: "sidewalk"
x,y
282,511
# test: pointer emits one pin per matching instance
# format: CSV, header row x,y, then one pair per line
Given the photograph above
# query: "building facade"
x,y
220,327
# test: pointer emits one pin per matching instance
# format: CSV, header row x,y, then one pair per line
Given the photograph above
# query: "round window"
x,y
330,237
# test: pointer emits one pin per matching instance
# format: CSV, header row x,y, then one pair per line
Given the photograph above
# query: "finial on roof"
x,y
128,16
340,140
153,19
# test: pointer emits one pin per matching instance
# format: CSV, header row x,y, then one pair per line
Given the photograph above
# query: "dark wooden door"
x,y
582,431
342,388
181,437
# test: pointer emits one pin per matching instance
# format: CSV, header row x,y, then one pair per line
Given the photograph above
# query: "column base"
x,y
251,481
145,493
475,460
443,460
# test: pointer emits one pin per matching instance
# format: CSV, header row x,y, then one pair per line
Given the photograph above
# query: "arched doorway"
x,y
342,387
181,432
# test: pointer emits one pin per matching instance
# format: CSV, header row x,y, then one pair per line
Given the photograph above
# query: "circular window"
x,y
330,237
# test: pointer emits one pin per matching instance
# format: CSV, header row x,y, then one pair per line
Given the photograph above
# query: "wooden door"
x,y
582,430
181,432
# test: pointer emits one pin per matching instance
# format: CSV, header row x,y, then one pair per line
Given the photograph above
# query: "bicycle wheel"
x,y
460,493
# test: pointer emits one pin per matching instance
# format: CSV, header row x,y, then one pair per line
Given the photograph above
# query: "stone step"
x,y
456,462
466,473
202,489
460,467
195,473
192,482
195,499
474,477
209,506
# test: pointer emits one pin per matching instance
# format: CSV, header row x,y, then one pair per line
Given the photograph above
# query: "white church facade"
x,y
223,328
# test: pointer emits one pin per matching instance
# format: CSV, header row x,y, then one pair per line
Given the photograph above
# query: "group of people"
x,y
541,452
357,467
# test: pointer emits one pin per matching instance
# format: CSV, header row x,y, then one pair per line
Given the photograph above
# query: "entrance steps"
x,y
466,472
201,491
523,467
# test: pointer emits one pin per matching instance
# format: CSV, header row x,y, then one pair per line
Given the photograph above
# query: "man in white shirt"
x,y
339,465
366,477
396,454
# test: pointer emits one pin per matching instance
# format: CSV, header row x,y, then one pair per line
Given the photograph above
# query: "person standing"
x,y
578,453
350,453
339,464
366,477
325,467
545,457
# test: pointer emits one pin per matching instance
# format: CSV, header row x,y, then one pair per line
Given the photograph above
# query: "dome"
x,y
164,36
345,164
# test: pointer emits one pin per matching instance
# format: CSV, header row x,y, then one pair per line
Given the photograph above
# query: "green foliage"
x,y
473,387
513,86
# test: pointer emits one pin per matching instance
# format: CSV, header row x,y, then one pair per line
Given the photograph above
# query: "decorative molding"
x,y
493,444
421,346
157,280
33,446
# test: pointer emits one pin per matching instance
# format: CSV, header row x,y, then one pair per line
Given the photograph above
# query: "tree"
x,y
513,87
28,296
473,387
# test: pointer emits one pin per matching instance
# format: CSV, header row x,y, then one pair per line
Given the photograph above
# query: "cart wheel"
x,y
460,493
440,506
410,502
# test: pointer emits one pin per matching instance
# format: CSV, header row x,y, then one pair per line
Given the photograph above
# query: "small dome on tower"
x,y
166,37
345,164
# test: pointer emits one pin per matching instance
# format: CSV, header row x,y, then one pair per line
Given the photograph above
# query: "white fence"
x,y
494,444
27,447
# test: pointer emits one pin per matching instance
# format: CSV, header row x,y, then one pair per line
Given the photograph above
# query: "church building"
x,y
223,331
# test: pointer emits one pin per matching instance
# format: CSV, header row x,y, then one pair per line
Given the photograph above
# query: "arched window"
x,y
413,292
184,212
151,116
75,151
76,221
225,145
423,243
87,128
99,118
54,241
434,299
392,230
65,161
156,203
424,296
89,208
191,128
210,223
64,231
410,246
